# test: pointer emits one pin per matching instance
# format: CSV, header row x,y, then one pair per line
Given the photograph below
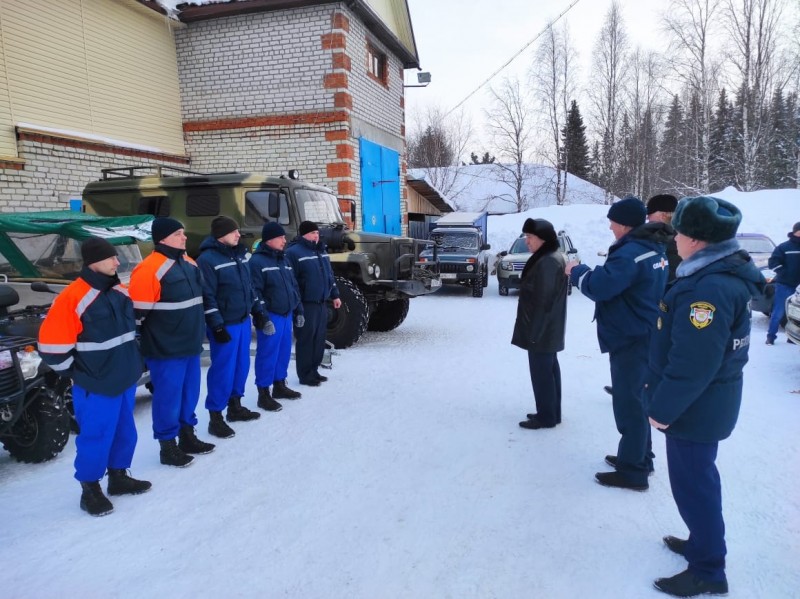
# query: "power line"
x,y
510,60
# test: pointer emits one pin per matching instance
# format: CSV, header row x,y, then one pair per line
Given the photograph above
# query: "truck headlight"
x,y
470,268
29,361
507,265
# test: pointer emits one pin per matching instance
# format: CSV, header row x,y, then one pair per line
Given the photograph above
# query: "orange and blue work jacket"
x,y
89,335
167,293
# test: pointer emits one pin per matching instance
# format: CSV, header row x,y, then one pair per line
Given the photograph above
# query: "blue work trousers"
x,y
310,346
696,489
628,371
230,365
778,309
546,383
176,390
108,432
274,351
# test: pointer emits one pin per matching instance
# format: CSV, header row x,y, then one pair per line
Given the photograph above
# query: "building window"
x,y
377,65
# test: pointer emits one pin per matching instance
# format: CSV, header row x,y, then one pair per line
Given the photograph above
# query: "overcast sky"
x,y
462,46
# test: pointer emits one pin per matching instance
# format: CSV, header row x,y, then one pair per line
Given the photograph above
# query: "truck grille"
x,y
450,267
518,265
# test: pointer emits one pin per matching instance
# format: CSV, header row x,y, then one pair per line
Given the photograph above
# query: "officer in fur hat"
x,y
694,385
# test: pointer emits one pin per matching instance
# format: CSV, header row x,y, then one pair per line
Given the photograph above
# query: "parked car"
x,y
792,327
760,248
511,263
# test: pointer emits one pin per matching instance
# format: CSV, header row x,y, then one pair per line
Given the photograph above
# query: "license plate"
x,y
448,276
6,360
436,283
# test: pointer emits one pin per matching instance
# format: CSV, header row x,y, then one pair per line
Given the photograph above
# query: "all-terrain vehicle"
x,y
376,273
39,256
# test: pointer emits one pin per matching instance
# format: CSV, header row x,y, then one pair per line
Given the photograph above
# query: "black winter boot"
x,y
281,391
265,401
189,443
93,501
122,483
217,426
687,584
172,455
238,413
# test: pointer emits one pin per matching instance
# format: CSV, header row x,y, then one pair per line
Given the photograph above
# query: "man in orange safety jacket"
x,y
89,335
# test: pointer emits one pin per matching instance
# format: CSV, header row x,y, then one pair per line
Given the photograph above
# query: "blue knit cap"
x,y
271,231
629,212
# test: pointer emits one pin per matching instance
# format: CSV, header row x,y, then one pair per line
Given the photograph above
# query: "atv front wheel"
x,y
42,430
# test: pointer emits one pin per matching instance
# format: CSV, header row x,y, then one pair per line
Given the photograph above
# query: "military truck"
x,y
459,245
376,273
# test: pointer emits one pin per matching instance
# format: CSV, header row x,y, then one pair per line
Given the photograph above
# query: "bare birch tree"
x,y
508,123
553,84
752,27
436,145
691,26
609,71
645,98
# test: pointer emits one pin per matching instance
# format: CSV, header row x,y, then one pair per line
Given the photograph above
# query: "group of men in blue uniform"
x,y
676,353
173,303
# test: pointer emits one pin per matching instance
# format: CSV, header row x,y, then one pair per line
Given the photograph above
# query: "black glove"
x,y
299,321
259,320
221,335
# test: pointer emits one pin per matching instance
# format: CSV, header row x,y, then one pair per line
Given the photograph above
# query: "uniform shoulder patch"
x,y
701,314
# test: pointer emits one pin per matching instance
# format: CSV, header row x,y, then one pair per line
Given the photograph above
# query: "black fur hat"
x,y
663,202
707,219
540,227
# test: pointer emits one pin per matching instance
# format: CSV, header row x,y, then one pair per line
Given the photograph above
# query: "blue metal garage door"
x,y
380,188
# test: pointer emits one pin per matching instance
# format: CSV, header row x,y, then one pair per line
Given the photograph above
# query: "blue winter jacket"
x,y
785,261
700,344
312,269
274,281
228,293
626,289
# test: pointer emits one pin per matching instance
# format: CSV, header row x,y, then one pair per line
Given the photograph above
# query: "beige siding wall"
x,y
394,14
7,146
98,67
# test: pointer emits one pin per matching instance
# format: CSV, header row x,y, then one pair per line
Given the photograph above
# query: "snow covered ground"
x,y
406,476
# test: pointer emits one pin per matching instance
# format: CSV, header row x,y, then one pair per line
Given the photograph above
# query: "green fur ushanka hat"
x,y
707,219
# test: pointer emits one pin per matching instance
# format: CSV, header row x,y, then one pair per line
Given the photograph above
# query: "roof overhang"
x,y
189,13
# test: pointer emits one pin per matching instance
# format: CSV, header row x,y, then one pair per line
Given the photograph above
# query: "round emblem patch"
x,y
701,314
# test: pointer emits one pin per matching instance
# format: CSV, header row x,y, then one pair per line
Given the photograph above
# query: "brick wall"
x,y
55,170
277,90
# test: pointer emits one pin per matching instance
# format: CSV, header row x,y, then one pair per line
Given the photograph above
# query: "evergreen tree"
x,y
778,171
647,156
672,153
722,159
624,182
595,166
575,150
485,159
